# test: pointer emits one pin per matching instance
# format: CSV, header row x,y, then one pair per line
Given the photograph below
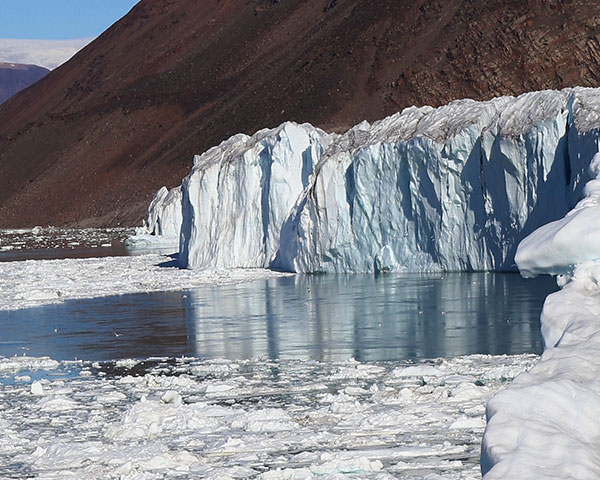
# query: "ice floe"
x,y
39,282
171,418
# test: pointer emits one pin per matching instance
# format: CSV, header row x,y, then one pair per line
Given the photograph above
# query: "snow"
x,y
39,282
387,196
279,420
552,248
545,425
45,53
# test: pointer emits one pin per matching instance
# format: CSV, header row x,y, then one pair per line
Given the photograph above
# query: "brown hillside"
x,y
92,141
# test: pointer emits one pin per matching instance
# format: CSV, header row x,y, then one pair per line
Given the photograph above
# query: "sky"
x,y
49,32
59,19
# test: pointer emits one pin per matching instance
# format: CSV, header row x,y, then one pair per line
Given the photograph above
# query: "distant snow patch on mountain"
x,y
45,53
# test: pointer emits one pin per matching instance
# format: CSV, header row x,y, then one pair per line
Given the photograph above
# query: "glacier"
x,y
162,227
239,194
450,188
545,424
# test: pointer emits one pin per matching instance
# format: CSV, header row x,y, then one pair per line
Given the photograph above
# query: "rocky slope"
x,y
92,141
15,77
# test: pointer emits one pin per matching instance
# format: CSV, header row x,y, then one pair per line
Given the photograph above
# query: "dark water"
x,y
116,249
52,243
324,317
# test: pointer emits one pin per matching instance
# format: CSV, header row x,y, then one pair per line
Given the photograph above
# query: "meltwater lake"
x,y
309,317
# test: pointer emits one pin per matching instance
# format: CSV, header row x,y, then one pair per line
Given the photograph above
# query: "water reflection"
x,y
329,317
368,317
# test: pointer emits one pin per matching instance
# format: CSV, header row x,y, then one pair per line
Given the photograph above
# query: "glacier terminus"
x,y
428,189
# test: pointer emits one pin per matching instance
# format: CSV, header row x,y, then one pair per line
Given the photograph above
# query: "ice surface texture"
x,y
252,419
545,425
451,188
163,222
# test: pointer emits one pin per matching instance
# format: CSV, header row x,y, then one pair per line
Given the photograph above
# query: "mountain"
x,y
92,141
15,77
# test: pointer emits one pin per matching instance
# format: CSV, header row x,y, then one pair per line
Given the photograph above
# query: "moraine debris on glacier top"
x,y
449,188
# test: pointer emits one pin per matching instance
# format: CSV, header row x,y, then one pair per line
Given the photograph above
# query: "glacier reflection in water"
x,y
324,317
369,318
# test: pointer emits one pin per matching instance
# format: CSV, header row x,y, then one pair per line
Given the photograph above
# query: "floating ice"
x,y
39,282
296,419
37,389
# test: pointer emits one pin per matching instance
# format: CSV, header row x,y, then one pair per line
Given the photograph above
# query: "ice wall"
x,y
450,188
163,223
164,214
546,423
239,193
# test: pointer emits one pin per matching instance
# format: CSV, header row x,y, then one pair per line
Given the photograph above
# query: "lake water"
x,y
317,317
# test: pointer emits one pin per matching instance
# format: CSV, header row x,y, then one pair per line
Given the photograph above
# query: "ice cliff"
x,y
546,423
240,193
449,188
162,226
452,188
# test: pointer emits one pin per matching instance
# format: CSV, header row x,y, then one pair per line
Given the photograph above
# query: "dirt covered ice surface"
x,y
183,418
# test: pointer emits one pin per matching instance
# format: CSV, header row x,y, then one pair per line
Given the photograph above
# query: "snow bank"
x,y
545,425
450,188
558,246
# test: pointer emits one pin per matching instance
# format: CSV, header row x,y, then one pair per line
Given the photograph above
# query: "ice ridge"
x,y
449,188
